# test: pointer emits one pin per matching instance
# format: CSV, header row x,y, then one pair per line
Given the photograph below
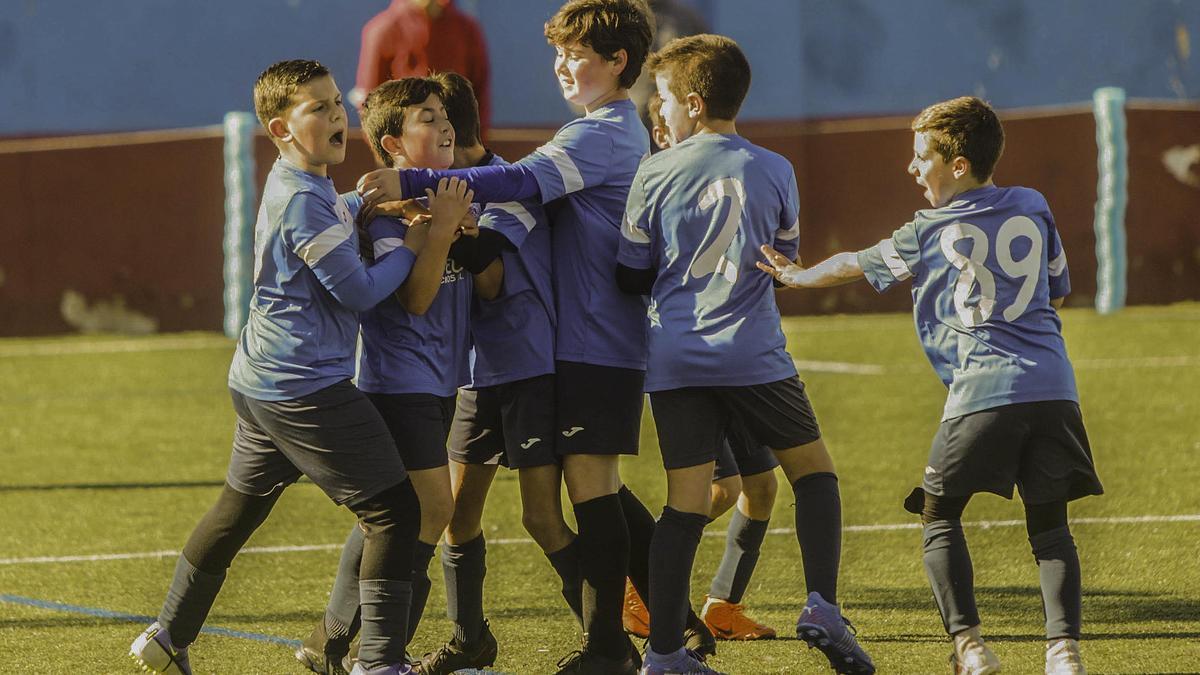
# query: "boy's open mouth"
x,y
444,144
336,139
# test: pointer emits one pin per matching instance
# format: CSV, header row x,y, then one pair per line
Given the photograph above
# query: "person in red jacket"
x,y
412,38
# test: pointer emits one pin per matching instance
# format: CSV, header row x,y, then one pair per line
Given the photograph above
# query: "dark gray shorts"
x,y
693,422
334,436
419,424
510,424
740,455
1040,447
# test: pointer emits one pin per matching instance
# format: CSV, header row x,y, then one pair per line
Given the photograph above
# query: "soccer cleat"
x,y
153,651
822,625
635,617
698,638
1062,658
394,669
455,655
323,655
971,656
690,663
728,621
584,662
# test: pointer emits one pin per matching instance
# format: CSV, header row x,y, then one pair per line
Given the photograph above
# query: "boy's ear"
x,y
279,129
619,61
695,105
391,145
961,166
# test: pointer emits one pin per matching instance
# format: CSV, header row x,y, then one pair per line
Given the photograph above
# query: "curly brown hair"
x,y
607,26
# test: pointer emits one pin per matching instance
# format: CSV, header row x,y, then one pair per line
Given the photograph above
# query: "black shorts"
x,y
693,421
420,424
1041,447
510,424
334,436
598,409
741,456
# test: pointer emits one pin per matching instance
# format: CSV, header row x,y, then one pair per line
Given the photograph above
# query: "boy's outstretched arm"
x,y
842,268
495,183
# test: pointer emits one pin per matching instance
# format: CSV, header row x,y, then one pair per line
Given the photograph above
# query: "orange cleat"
x,y
728,621
635,617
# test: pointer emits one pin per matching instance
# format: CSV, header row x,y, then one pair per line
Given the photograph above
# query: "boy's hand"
x,y
447,207
418,232
407,209
380,185
779,267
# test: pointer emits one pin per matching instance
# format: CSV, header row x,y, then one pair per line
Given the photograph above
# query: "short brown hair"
x,y
274,88
713,66
383,110
964,127
461,107
607,26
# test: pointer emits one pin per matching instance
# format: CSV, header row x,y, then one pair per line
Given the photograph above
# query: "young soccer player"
x,y
600,338
988,271
297,412
414,352
695,217
749,483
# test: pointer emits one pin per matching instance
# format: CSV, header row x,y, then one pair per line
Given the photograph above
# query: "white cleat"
x,y
1062,658
153,651
971,656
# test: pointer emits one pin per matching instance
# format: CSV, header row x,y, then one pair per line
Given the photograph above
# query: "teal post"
x,y
239,218
1108,103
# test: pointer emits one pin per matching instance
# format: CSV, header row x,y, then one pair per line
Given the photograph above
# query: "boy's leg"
x,y
1058,568
464,562
809,470
751,518
948,562
541,513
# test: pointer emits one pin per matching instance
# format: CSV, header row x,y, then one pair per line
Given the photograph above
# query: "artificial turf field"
x,y
112,448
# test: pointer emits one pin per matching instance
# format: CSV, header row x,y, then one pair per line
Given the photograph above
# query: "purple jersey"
x,y
697,215
984,269
514,333
404,353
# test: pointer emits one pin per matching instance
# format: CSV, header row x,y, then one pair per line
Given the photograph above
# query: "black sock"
x,y
422,554
948,566
742,543
385,604
671,556
565,562
604,561
819,531
464,566
341,614
641,531
188,601
1058,570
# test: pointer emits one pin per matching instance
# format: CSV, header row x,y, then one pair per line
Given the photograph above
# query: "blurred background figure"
x,y
673,18
400,42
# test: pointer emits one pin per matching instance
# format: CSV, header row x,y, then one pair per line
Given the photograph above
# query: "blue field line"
x,y
138,618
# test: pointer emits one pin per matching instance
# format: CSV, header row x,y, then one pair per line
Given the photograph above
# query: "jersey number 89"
x,y
973,269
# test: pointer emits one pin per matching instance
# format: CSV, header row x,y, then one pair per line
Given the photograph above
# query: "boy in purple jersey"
x,y
988,272
717,359
414,351
584,174
297,412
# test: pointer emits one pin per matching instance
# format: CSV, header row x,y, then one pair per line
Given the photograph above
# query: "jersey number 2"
x,y
973,269
711,259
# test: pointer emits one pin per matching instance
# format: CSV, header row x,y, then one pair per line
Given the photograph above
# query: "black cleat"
x,y
455,655
322,654
698,638
584,662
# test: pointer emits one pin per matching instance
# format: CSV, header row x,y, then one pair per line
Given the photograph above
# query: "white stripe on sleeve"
x,y
386,245
515,210
1059,264
791,233
572,179
899,268
632,232
319,246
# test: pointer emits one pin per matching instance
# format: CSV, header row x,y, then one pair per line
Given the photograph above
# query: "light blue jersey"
x,y
984,270
697,215
308,282
514,333
404,353
584,174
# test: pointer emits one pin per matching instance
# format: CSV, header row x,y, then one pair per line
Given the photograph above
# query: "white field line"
x,y
174,344
881,527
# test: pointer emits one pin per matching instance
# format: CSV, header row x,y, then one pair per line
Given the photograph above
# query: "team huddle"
x,y
518,314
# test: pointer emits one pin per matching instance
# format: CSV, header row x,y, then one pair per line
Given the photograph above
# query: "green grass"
x,y
122,451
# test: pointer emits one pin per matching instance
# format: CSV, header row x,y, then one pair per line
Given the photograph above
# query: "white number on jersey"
x,y
712,259
973,269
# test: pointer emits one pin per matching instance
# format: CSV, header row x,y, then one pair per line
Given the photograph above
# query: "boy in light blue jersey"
x,y
583,176
414,351
988,272
297,412
696,216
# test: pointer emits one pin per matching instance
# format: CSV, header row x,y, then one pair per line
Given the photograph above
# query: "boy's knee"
x,y
761,492
394,509
724,495
943,508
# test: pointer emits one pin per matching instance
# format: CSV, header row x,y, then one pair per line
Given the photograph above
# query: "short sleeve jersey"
x,y
513,333
984,269
584,174
298,339
404,353
697,215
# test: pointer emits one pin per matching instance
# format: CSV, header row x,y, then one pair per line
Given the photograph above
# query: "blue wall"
x,y
68,66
